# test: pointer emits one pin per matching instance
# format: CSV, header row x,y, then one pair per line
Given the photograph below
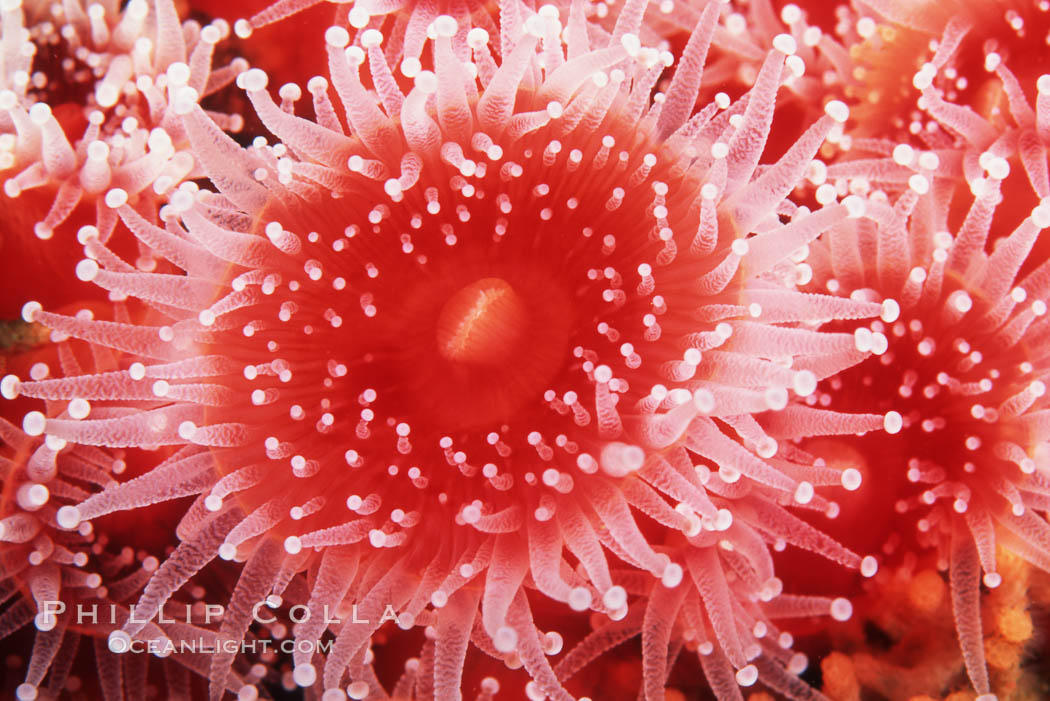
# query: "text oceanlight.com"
x,y
202,646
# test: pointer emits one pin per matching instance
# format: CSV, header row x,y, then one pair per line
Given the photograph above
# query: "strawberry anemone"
x,y
87,103
819,70
962,360
404,21
74,585
504,336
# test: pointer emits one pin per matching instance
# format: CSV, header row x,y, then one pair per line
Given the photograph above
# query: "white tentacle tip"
x,y
893,422
359,16
410,67
631,44
536,26
477,37
869,566
445,26
841,609
117,197
86,270
79,408
804,493
837,110
580,599
355,690
8,99
776,398
10,387
704,401
804,383
919,183
337,37
620,459
304,675
614,597
747,676
34,423
851,479
785,44
371,38
425,81
855,206
1041,215
187,429
178,73
505,640
29,310
672,575
119,642
40,113
184,99
891,310
68,517
26,692
253,80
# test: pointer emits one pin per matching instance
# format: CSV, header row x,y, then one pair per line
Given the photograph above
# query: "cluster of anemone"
x,y
74,586
513,325
88,102
965,361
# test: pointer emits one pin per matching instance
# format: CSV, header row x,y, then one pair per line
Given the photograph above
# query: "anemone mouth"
x,y
477,356
481,324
